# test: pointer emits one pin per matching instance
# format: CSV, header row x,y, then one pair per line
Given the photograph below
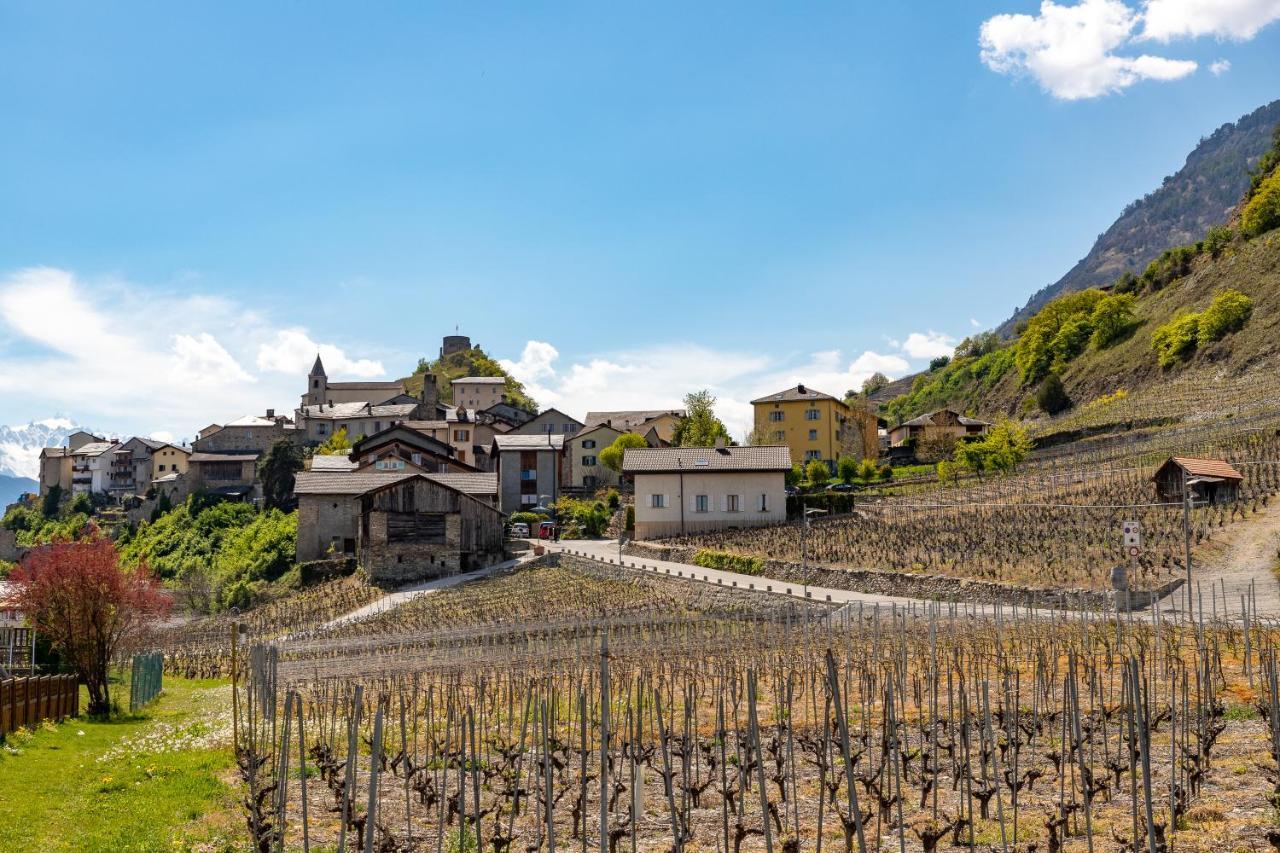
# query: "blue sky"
x,y
659,196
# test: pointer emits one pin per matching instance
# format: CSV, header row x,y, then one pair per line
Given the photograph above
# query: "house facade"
x,y
248,433
942,424
1214,481
233,474
683,490
91,467
549,422
478,392
815,426
529,469
583,469
401,446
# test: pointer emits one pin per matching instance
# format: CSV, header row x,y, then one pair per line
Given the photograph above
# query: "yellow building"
x,y
814,425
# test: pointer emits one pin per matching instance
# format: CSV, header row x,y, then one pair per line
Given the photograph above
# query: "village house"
x,y
470,435
321,390
662,422
506,413
1213,481
403,446
549,422
167,460
478,392
10,615
91,467
942,424
682,490
419,528
529,469
229,474
815,426
55,469
248,433
329,506
584,471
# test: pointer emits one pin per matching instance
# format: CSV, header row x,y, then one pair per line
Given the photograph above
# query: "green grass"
x,y
134,783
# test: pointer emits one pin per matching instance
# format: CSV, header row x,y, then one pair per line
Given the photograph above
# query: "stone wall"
x,y
318,571
934,587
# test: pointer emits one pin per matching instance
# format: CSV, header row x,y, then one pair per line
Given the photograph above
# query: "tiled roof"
x,y
344,482
366,386
167,478
332,463
640,460
344,411
51,452
536,441
237,456
425,425
628,420
250,421
1207,467
358,482
482,380
799,392
96,448
927,419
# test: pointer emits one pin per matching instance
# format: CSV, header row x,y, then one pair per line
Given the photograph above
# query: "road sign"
x,y
1132,535
1134,550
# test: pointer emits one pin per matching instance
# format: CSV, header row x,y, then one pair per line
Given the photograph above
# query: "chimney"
x,y
800,388
719,442
271,414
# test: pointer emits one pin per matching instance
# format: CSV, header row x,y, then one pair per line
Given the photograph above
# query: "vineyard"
x,y
1054,524
611,711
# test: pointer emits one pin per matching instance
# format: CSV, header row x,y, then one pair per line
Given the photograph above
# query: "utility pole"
x,y
1186,534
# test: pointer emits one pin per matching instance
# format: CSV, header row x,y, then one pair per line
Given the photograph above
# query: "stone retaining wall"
x,y
934,587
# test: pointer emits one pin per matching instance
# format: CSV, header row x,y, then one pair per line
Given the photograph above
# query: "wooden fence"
x,y
27,701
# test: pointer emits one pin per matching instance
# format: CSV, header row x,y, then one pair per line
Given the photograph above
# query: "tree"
x,y
817,472
1052,397
1228,313
76,595
700,427
1112,319
874,383
795,475
276,470
49,503
1002,449
468,362
939,362
847,468
337,444
611,456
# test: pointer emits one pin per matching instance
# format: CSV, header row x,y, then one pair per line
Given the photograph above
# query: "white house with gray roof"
x,y
682,490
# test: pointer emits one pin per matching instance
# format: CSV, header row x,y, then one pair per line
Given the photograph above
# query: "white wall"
x,y
717,486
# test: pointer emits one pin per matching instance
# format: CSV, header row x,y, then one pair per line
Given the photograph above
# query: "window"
x,y
701,503
777,416
461,435
810,455
588,444
528,500
734,503
764,502
377,426
417,458
391,464
658,501
780,435
589,461
812,414
162,466
320,428
813,435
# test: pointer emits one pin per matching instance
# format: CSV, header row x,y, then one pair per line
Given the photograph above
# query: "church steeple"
x,y
317,385
317,369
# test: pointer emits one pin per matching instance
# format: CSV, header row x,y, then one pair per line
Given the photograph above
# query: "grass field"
x,y
159,780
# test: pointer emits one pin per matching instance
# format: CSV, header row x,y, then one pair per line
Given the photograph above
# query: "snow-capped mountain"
x,y
20,445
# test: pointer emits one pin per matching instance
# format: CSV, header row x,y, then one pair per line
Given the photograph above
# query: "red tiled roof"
x,y
1207,468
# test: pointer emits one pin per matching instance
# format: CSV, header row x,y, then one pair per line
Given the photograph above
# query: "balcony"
x,y
528,475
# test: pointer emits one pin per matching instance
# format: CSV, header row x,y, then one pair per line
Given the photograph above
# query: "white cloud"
x,y
535,362
292,351
141,361
1165,20
163,435
1071,50
928,344
973,321
1222,66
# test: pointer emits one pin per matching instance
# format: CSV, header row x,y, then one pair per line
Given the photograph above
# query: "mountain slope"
x,y
20,445
11,488
1200,195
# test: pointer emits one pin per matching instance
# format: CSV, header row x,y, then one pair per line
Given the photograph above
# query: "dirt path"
x,y
1241,554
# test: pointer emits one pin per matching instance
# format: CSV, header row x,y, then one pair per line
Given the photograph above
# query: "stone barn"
x,y
419,528
1212,481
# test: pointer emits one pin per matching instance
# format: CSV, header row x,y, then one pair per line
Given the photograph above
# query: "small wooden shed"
x,y
419,528
1209,480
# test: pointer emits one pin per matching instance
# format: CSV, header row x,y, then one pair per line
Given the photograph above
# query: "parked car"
x,y
840,487
519,530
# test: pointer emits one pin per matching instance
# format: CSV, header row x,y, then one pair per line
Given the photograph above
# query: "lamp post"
x,y
804,533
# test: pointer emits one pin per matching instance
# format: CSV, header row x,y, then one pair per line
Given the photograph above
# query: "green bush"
x,y
1176,340
847,468
530,518
1262,212
1059,332
631,517
81,503
1052,397
1228,313
1112,319
817,472
1217,239
613,499
727,562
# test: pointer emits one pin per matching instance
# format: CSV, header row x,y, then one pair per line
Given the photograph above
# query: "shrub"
x,y
631,517
817,472
727,562
867,469
1262,212
847,468
1228,313
1112,319
1175,341
613,499
939,362
1052,397
81,503
1218,238
1056,334
530,518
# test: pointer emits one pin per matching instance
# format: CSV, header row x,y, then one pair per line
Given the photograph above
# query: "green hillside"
x,y
1100,342
468,362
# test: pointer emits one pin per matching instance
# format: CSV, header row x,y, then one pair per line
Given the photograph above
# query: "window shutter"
x,y
693,503
724,503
